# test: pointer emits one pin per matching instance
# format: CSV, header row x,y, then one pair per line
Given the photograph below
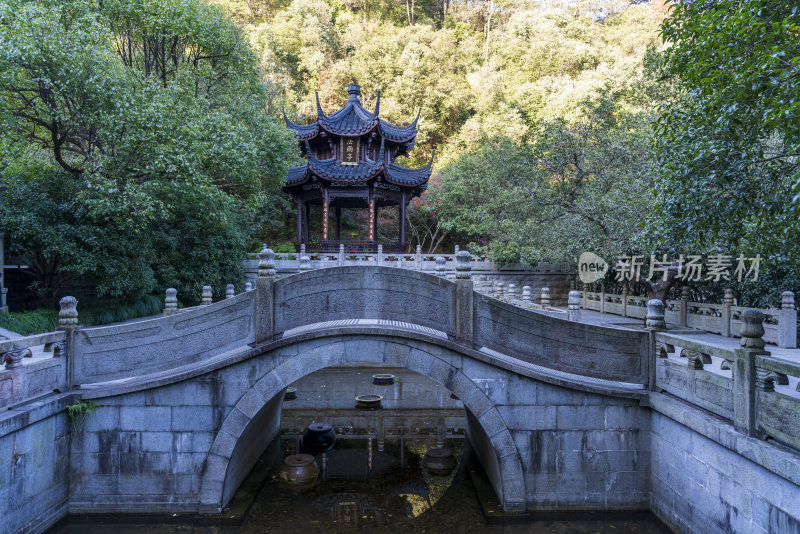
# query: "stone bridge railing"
x,y
780,325
757,392
760,397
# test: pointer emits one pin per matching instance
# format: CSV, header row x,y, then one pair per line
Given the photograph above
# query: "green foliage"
x,y
729,140
579,186
137,146
95,313
80,412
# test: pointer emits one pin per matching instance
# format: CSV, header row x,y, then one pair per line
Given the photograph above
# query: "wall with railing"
x,y
780,324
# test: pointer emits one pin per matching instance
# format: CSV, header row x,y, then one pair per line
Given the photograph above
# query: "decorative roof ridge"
x,y
320,114
377,105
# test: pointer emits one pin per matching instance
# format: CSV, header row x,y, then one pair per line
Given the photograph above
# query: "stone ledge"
x,y
34,411
775,458
185,372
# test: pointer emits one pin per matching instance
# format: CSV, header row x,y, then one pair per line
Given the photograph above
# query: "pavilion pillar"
x,y
375,221
338,211
299,223
371,213
403,220
308,221
325,215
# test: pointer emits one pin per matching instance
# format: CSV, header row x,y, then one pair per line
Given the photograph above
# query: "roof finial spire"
x,y
353,90
378,104
320,114
414,124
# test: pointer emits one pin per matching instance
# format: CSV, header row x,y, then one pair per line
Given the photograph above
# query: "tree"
x,y
151,114
580,186
729,140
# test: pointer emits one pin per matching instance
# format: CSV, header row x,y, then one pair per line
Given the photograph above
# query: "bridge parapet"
x,y
757,391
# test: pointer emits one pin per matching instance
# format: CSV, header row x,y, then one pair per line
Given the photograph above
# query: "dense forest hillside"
x,y
481,73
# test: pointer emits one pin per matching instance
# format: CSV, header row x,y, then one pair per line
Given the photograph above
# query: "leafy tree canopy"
x,y
142,125
729,140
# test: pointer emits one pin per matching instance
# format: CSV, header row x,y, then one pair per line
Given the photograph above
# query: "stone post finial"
x,y
207,295
463,264
380,254
441,266
305,263
512,291
574,306
68,314
728,298
302,249
654,319
752,329
341,255
230,292
248,286
171,302
685,293
526,293
456,249
787,323
544,296
499,290
266,262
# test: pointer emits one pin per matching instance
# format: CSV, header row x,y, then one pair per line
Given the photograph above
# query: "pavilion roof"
x,y
333,170
353,120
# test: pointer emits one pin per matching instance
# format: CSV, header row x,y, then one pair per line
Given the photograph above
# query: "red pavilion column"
x,y
371,213
325,215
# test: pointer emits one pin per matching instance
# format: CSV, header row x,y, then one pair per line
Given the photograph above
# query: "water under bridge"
x,y
564,412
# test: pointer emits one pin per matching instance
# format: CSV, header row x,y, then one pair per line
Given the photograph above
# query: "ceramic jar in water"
x,y
439,462
319,437
299,470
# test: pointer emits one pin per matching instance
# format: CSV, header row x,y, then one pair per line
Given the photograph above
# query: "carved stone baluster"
x,y
230,292
544,297
654,320
171,302
207,295
574,306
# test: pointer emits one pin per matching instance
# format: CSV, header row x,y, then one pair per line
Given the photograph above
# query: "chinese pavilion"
x,y
351,164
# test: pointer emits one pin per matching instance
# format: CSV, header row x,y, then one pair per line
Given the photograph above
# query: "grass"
x,y
95,313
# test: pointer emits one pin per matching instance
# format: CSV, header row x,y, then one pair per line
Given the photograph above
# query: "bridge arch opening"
x,y
255,420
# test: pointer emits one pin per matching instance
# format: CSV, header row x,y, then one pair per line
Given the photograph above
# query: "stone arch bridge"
x,y
562,414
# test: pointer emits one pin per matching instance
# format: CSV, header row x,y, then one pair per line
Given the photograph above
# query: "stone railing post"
x,y
68,323
727,302
744,372
464,296
305,263
341,255
456,250
526,294
574,306
441,267
302,250
248,286
207,296
418,257
499,293
602,299
787,322
171,302
683,310
584,291
512,291
265,296
654,320
380,255
544,297
230,291
625,291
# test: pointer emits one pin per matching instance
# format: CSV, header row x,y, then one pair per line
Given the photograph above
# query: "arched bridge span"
x,y
200,391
